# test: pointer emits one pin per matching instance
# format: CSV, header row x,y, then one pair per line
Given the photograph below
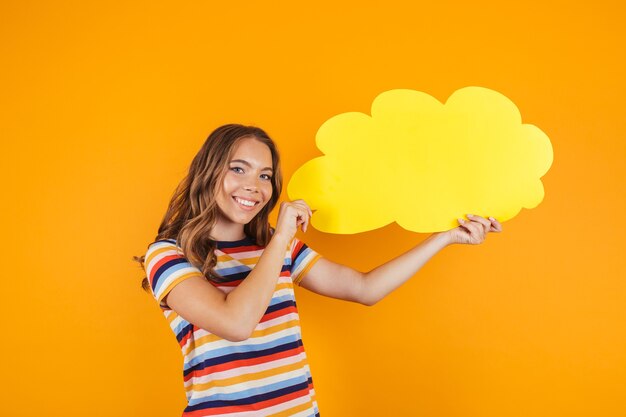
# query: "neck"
x,y
227,232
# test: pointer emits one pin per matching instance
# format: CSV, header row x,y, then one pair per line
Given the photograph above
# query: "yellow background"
x,y
105,103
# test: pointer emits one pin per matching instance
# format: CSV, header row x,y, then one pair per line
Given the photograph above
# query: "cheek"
x,y
228,185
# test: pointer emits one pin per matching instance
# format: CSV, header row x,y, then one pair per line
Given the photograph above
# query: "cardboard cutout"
x,y
423,164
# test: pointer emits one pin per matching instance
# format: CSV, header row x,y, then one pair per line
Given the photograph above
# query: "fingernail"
x,y
470,215
461,221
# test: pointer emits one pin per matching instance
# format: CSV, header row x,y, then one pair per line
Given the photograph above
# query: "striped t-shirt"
x,y
265,375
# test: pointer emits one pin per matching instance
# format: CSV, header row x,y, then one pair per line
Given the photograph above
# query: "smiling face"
x,y
245,190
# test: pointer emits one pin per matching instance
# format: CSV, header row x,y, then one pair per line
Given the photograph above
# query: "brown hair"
x,y
193,211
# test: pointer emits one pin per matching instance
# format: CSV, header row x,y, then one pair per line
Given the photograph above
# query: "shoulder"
x,y
166,266
163,251
162,246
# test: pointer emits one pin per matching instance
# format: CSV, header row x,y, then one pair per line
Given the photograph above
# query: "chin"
x,y
246,220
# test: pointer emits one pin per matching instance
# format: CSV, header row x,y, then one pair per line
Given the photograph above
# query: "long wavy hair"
x,y
193,210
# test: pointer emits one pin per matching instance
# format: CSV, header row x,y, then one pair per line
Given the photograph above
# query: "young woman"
x,y
224,279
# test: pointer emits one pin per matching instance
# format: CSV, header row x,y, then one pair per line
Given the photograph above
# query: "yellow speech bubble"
x,y
423,164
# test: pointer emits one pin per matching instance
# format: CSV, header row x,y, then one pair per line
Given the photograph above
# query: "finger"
x,y
305,225
306,208
298,208
465,229
468,224
466,233
303,214
304,222
486,223
495,225
463,224
302,205
476,231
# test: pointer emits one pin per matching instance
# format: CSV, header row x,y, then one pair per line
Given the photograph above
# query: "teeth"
x,y
245,202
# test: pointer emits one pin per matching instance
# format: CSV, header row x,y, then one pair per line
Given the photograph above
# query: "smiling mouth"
x,y
248,204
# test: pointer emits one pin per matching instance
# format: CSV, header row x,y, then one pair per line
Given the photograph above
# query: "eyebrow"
x,y
248,164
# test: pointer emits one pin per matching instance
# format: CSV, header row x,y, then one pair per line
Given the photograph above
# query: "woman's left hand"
x,y
474,231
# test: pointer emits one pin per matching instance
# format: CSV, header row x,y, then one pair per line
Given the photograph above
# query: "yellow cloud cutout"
x,y
423,164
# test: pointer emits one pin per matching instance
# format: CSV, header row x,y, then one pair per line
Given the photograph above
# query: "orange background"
x,y
105,103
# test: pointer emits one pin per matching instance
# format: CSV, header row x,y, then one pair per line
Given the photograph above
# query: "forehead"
x,y
253,151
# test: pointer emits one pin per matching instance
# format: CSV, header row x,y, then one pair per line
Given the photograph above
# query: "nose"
x,y
251,186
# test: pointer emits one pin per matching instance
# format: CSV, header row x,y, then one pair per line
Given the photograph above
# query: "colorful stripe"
x,y
267,374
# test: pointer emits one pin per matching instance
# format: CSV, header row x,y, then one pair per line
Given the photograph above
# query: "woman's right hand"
x,y
292,214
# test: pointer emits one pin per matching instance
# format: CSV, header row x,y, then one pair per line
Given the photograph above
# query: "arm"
x,y
339,281
234,316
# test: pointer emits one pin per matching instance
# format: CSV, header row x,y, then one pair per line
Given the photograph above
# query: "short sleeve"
x,y
302,259
166,267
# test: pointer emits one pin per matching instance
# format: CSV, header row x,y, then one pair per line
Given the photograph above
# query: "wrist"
x,y
443,238
281,238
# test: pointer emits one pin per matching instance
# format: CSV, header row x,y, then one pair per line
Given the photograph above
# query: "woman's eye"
x,y
266,177
238,170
